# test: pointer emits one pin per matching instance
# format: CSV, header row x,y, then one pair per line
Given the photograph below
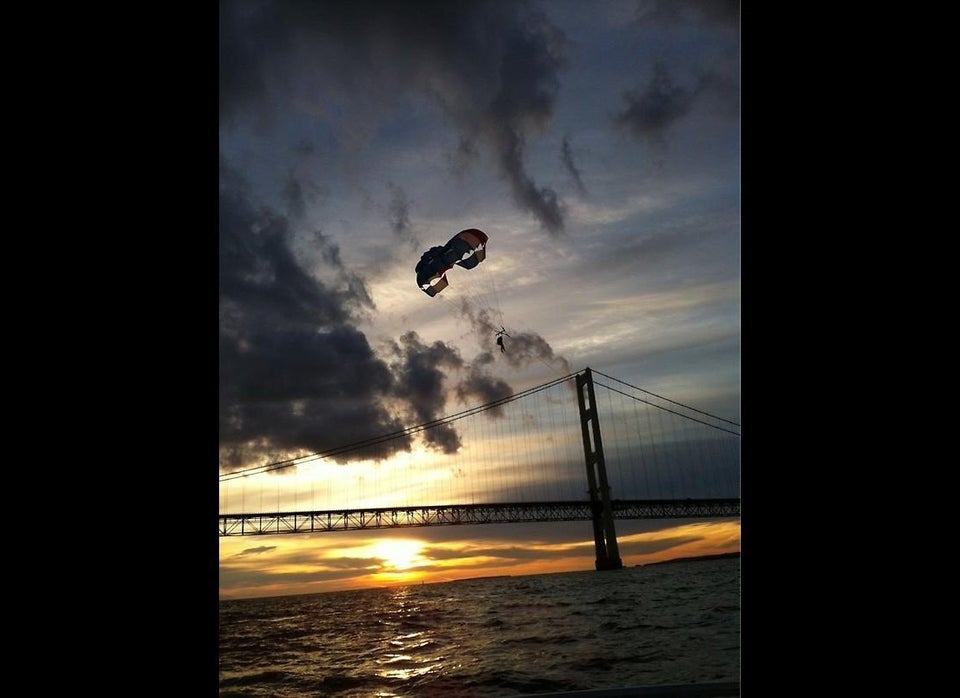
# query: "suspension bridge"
x,y
518,459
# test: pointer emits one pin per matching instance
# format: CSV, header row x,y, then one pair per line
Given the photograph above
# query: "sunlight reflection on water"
x,y
660,625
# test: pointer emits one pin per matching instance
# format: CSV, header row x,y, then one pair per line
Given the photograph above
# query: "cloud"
x,y
520,348
420,381
480,387
566,157
523,348
648,112
399,218
324,562
687,71
656,545
332,570
517,553
680,534
493,67
257,551
295,197
295,373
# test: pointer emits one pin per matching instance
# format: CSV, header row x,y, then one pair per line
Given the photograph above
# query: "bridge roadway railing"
x,y
254,524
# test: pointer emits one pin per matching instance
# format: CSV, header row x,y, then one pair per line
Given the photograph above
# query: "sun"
x,y
398,554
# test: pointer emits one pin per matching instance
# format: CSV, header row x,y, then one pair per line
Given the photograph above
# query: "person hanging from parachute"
x,y
465,249
500,334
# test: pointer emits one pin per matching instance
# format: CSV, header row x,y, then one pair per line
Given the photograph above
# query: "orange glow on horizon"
x,y
398,554
285,565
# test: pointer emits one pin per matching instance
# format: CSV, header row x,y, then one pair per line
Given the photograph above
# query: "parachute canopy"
x,y
465,249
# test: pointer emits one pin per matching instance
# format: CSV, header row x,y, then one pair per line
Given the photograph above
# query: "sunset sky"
x,y
596,143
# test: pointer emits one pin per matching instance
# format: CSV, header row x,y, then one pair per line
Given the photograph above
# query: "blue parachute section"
x,y
465,249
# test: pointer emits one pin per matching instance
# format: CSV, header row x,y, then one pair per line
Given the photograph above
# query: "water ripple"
x,y
486,638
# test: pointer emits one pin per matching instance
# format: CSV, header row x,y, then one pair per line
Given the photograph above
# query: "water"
x,y
659,625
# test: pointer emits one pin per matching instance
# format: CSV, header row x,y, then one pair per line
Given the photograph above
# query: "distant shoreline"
x,y
693,558
697,558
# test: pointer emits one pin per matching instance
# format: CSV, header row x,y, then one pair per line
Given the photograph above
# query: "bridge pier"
x,y
604,533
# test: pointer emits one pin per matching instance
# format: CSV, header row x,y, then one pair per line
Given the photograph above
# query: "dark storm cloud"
x,y
493,66
479,387
648,112
295,374
420,381
260,279
302,389
566,157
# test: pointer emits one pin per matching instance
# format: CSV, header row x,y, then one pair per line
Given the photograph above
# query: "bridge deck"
x,y
250,524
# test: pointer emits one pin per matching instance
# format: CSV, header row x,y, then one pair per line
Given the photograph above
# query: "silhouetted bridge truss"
x,y
469,514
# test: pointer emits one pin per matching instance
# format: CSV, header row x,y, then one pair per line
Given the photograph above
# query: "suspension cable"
x,y
665,409
665,398
408,431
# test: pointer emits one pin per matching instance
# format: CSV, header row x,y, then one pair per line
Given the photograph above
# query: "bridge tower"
x,y
604,534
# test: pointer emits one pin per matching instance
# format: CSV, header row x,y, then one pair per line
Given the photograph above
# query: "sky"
x,y
595,142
